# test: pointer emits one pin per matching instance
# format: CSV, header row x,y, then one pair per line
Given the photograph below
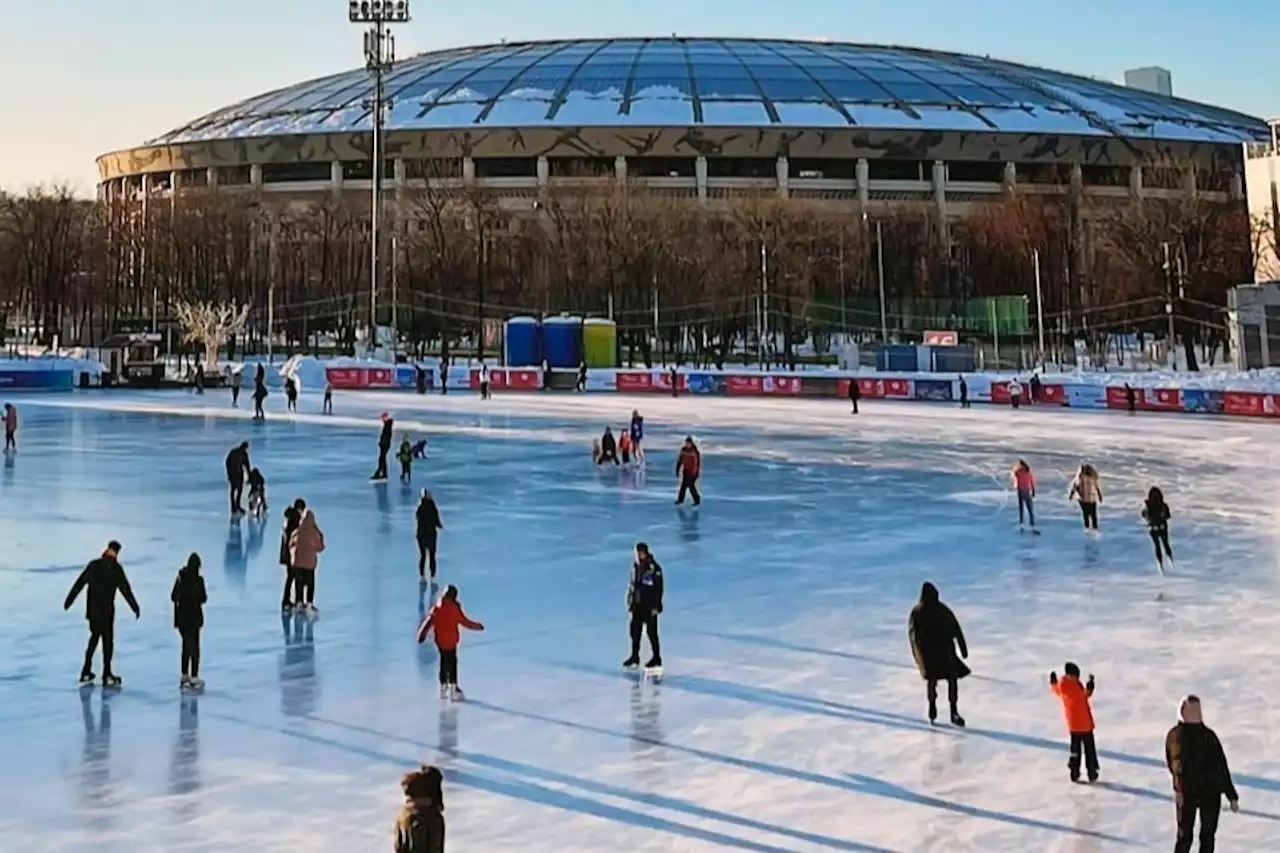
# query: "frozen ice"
x,y
790,718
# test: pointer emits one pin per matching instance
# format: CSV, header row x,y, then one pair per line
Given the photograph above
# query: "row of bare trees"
x,y
688,277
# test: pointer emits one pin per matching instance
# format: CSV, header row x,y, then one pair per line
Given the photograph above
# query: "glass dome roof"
x,y
664,82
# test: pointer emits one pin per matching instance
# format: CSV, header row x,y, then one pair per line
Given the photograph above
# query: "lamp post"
x,y
379,55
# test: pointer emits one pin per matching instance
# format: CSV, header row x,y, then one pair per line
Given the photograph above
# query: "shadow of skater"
x,y
184,762
8,469
257,536
235,563
299,685
384,506
426,652
646,731
688,525
447,733
95,758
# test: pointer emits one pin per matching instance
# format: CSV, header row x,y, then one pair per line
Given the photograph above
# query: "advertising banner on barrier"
x,y
782,386
1160,399
628,382
347,378
523,379
821,386
870,389
1243,403
597,380
1053,395
381,377
896,388
1117,397
743,385
1086,396
1000,393
662,381
1202,402
406,377
705,383
938,390
42,380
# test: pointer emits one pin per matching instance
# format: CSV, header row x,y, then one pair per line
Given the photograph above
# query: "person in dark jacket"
x,y
384,447
1155,512
644,603
259,394
420,826
964,394
188,599
234,379
934,633
855,394
429,525
104,577
292,516
291,393
1130,398
238,468
688,470
608,448
257,492
581,384
1201,777
1036,388
198,379
420,378
444,375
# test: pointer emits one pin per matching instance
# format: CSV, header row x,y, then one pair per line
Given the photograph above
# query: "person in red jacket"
x,y
446,618
688,469
1075,706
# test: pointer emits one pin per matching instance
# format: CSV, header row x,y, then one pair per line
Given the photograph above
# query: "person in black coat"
x,y
964,394
104,577
188,599
292,517
429,526
608,448
291,393
384,447
855,394
238,468
644,603
1201,776
935,633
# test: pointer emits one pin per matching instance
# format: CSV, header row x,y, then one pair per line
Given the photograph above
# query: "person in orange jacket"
x,y
1075,705
624,446
446,618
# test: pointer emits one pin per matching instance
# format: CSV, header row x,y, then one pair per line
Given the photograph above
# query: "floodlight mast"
x,y
380,55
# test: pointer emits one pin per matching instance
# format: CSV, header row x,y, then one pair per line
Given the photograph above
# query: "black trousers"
x,y
484,390
305,584
328,404
1160,539
290,583
1083,742
855,404
257,407
448,666
9,442
1210,809
236,488
1016,400
931,692
235,392
293,404
689,485
645,622
105,631
1089,512
964,401
380,473
406,471
426,553
608,456
191,653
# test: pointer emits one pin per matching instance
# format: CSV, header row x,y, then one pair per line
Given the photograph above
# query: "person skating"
x,y
1024,483
484,381
259,395
257,492
404,455
1130,398
189,597
624,447
238,468
234,378
420,826
934,633
1155,512
644,604
964,394
306,543
292,515
327,407
688,469
1086,489
1201,777
429,526
1015,393
675,381
581,384
855,394
1036,388
444,376
608,448
198,379
637,435
291,393
10,428
445,618
1075,705
104,577
420,378
384,447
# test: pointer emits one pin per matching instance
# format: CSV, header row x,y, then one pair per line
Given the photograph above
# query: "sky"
x,y
84,77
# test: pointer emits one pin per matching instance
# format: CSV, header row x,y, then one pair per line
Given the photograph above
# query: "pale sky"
x,y
83,77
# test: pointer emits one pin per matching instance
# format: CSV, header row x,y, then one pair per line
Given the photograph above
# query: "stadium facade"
x,y
859,124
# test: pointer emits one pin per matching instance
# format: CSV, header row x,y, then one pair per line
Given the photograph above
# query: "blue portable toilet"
x,y
524,342
562,341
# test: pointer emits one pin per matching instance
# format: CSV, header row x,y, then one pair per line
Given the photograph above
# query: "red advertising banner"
x,y
661,381
347,378
897,387
635,382
1161,399
941,339
1116,398
1053,395
1000,393
381,377
744,385
870,388
1244,403
782,386
524,380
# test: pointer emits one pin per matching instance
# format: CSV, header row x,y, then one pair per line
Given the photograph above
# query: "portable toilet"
x,y
524,342
562,341
600,342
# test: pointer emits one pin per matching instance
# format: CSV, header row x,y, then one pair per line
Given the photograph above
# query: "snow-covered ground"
x,y
791,716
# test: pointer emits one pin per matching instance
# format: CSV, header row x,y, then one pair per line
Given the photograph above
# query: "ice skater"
x,y
581,384
608,448
291,394
306,543
104,577
855,394
292,515
624,447
1024,483
10,428
1130,398
234,378
404,455
674,377
445,619
420,826
1075,705
1015,392
934,633
644,604
189,597
1201,776
384,447
327,408
257,493
1155,512
1086,490
964,394
259,395
238,467
429,526
688,469
484,381
419,450
637,436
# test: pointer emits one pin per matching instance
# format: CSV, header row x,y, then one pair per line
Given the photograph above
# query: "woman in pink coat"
x,y
305,545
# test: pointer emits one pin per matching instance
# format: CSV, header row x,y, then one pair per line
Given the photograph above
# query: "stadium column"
x,y
335,178
940,197
620,169
211,176
468,170
1010,176
1189,183
255,176
700,171
784,177
1135,182
862,173
400,178
544,171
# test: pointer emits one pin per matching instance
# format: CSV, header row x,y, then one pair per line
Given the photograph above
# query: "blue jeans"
x,y
1026,504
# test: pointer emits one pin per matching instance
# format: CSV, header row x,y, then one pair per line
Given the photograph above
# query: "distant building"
x,y
1151,79
1262,188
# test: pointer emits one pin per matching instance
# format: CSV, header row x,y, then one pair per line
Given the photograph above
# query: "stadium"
x,y
708,119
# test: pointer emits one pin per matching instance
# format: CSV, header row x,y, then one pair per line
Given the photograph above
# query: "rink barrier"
x,y
981,389
31,379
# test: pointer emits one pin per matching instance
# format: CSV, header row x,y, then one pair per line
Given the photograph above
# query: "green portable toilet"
x,y
600,342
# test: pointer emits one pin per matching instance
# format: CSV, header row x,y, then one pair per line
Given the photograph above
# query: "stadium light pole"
x,y
379,54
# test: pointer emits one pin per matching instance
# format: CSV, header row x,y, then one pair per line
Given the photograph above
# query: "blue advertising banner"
x,y
406,376
938,390
1203,402
1086,396
37,380
705,383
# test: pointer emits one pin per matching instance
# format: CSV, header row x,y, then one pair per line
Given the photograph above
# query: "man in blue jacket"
x,y
644,602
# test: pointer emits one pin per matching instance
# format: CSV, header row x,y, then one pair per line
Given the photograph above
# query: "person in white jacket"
x,y
1015,392
1086,489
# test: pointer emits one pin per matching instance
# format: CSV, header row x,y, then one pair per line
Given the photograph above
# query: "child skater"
x,y
624,446
420,449
328,398
1086,489
188,599
405,457
1075,704
257,493
1155,512
1024,482
446,617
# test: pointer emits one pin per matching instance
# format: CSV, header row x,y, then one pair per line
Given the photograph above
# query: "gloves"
x,y
1234,804
1053,677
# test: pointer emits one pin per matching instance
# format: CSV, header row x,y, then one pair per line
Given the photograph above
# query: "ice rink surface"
x,y
791,717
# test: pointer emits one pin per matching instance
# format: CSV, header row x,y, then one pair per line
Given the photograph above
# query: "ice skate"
x,y
112,681
457,695
195,683
184,682
956,719
1093,777
444,691
631,662
87,677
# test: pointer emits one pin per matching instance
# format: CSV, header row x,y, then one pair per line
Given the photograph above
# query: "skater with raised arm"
x,y
1024,483
189,597
445,619
934,633
1155,512
688,469
238,468
384,447
644,604
1075,705
429,526
104,577
1086,490
10,428
1201,777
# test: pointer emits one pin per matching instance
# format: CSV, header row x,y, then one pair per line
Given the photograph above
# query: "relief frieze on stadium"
x,y
678,142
